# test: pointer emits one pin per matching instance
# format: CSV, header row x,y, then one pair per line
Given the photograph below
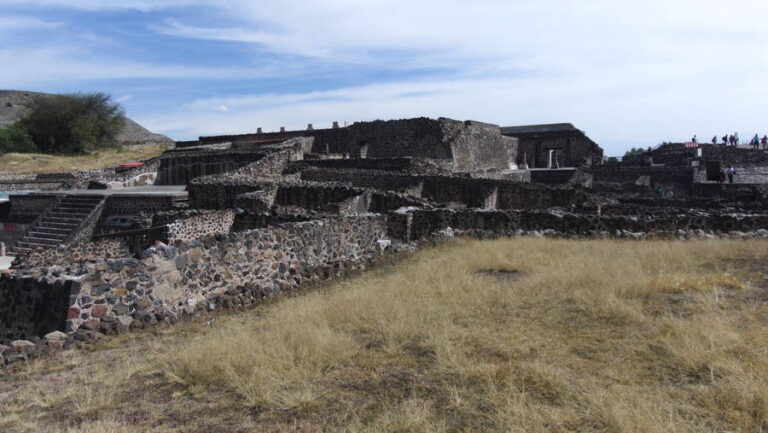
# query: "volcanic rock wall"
x,y
179,168
415,224
30,307
223,270
187,226
471,146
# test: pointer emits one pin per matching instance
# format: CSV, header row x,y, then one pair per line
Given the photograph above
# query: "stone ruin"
x,y
227,221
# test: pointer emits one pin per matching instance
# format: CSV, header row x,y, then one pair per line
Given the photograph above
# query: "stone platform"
x,y
178,191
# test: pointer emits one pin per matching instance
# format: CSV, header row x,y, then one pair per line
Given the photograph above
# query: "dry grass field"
x,y
22,163
584,336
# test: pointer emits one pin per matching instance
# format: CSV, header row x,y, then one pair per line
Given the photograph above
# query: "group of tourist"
x,y
733,140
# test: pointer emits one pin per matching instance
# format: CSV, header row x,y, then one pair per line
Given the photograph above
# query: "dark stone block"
x,y
100,289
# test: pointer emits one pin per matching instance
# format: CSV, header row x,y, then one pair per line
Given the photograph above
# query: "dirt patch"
x,y
502,274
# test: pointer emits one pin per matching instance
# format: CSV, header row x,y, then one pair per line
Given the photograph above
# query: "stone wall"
x,y
137,240
189,143
190,225
16,177
472,146
32,204
463,191
216,271
673,154
314,197
88,226
720,194
32,307
573,149
257,202
218,195
478,146
383,164
737,156
617,178
58,259
135,204
383,181
178,168
416,224
30,186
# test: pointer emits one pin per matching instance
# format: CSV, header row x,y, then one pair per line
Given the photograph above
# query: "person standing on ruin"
x,y
693,140
764,141
731,172
735,138
725,140
756,141
714,140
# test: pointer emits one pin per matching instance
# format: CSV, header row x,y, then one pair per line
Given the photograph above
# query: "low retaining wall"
x,y
31,306
67,260
32,204
191,225
416,224
111,295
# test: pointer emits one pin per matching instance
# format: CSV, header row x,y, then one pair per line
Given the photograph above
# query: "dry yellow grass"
x,y
22,163
596,336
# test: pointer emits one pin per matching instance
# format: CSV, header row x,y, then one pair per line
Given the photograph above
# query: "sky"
x,y
628,73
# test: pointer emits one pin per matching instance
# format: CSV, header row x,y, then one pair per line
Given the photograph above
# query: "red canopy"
x,y
131,164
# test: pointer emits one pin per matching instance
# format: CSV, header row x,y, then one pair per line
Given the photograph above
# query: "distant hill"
x,y
12,103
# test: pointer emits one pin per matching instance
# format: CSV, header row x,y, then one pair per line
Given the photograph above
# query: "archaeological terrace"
x,y
226,221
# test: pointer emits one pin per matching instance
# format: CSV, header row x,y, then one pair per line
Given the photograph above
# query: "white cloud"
x,y
627,72
546,32
222,108
61,64
20,22
95,5
631,113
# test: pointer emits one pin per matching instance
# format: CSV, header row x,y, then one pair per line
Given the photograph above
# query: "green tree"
x,y
73,124
634,152
14,138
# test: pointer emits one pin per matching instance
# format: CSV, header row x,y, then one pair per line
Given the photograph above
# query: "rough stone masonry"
x,y
227,221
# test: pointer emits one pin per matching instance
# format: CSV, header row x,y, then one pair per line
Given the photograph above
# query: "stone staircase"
x,y
58,224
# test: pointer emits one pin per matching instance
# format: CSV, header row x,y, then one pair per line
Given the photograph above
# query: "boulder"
x,y
56,336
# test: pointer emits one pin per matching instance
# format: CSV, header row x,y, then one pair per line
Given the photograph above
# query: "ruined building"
x,y
558,145
227,221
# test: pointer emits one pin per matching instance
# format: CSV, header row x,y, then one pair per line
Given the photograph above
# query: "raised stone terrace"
x,y
228,221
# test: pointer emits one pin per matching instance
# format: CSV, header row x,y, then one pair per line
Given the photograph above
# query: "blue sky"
x,y
628,73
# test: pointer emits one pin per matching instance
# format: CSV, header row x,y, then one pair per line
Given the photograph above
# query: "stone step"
x,y
47,235
64,214
83,198
74,208
58,224
30,245
62,219
42,241
90,204
52,230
